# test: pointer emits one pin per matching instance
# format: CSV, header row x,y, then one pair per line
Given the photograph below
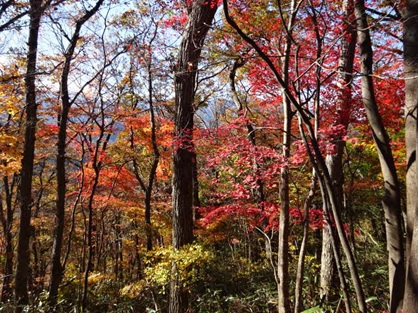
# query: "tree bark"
x,y
153,171
303,246
7,223
200,15
392,198
334,160
57,269
284,219
23,251
411,128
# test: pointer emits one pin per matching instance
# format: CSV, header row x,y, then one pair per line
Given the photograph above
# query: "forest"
x,y
205,156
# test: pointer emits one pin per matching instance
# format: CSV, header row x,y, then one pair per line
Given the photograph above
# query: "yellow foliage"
x,y
10,154
11,105
96,278
133,290
188,259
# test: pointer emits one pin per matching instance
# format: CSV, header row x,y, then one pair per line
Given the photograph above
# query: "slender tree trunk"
x,y
302,252
283,243
90,241
314,184
392,198
148,188
57,268
283,249
153,171
334,161
331,212
97,167
7,223
201,14
23,253
411,128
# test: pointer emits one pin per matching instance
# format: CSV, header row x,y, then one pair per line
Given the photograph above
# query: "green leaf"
x,y
370,299
315,309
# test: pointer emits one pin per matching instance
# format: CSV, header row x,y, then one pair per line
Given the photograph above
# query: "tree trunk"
x,y
283,249
411,128
283,242
155,161
57,269
200,15
23,253
331,212
303,246
7,223
392,198
334,161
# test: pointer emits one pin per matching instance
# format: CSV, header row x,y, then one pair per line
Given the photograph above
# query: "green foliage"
x,y
316,309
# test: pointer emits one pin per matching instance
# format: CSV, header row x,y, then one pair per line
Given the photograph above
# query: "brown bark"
x,y
23,250
57,268
284,219
7,222
153,171
201,14
392,198
411,128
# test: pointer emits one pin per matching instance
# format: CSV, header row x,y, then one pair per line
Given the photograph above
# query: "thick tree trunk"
x,y
201,14
23,251
392,198
411,128
327,265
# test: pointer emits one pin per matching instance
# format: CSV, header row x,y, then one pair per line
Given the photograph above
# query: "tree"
x,y
57,269
200,17
411,95
392,197
37,7
334,159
